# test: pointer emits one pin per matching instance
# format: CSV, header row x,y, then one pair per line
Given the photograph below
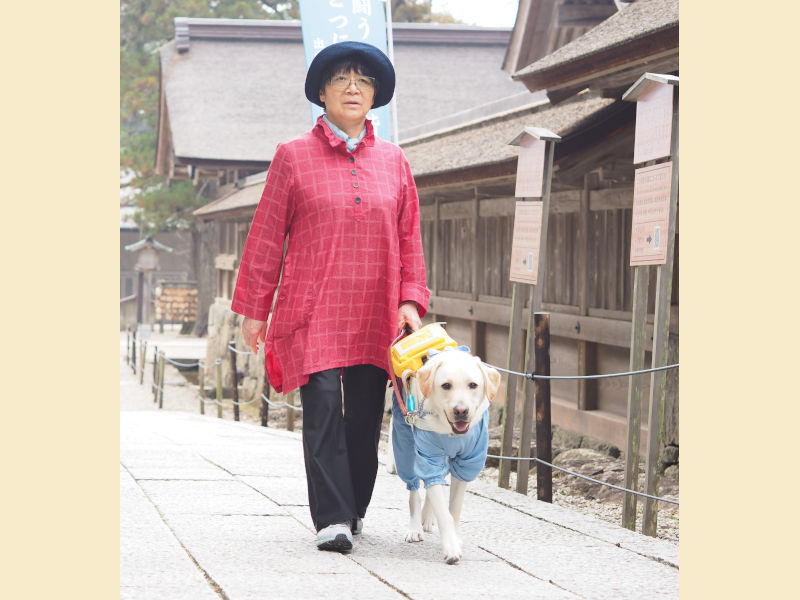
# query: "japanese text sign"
x,y
326,22
526,241
651,202
530,168
653,123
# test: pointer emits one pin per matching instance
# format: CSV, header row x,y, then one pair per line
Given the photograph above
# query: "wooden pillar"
x,y
656,117
544,431
478,337
436,251
263,413
658,380
641,279
513,363
536,299
587,351
235,383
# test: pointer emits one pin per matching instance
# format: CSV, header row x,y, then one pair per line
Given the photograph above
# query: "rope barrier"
x,y
611,485
234,350
175,363
625,374
280,404
531,376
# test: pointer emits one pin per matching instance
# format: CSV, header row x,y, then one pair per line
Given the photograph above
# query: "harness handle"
x,y
395,381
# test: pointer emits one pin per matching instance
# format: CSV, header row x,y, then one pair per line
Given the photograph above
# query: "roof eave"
x,y
583,70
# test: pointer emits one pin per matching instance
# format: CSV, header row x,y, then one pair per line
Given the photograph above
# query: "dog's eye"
x,y
446,386
472,385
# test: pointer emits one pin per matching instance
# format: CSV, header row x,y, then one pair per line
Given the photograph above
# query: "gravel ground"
x,y
180,394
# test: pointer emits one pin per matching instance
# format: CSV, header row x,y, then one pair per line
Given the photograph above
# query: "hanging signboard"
x,y
530,167
651,203
653,123
526,241
326,22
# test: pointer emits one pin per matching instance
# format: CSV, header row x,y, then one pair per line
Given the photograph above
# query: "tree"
x,y
145,25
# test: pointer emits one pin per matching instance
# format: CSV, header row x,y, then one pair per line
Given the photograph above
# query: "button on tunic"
x,y
353,254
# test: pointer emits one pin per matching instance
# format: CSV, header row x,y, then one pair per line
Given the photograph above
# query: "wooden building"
x,y
466,180
232,89
575,71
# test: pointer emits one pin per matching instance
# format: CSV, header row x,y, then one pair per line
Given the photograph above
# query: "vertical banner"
x,y
326,22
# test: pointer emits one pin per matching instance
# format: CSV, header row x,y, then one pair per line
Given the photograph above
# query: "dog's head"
x,y
454,384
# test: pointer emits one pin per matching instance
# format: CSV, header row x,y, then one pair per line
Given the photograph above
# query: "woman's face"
x,y
348,107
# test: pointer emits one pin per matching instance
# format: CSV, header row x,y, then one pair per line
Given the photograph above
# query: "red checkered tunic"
x,y
354,252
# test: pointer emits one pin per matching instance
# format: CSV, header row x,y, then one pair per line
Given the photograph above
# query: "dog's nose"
x,y
460,412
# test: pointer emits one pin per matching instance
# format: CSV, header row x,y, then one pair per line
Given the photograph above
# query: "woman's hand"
x,y
407,315
253,330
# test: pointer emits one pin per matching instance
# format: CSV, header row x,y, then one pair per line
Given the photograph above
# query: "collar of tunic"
x,y
342,134
323,129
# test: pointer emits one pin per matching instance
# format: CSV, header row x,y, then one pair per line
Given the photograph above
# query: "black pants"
x,y
341,451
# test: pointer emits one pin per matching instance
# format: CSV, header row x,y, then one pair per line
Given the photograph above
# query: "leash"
x,y
397,382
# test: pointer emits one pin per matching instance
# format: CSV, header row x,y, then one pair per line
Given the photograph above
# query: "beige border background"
x,y
739,406
60,424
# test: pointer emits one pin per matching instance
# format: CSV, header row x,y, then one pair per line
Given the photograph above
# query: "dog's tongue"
x,y
461,426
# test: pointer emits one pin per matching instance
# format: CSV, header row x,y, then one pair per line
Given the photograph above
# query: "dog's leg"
x,y
457,489
414,533
428,518
450,544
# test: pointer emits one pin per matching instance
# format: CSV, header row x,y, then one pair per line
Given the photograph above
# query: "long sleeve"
x,y
260,269
412,260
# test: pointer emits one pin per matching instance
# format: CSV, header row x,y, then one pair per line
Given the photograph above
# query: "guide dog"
x,y
454,389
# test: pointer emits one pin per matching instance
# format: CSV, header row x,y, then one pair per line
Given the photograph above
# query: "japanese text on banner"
x,y
326,22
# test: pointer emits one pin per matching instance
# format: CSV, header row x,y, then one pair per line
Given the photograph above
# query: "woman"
x,y
345,203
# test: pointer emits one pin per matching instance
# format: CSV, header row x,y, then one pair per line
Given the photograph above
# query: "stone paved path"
x,y
211,508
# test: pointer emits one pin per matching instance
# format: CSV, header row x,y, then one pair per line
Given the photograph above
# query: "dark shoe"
x,y
337,538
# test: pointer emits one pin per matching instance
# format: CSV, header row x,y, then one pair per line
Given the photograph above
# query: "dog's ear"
x,y
491,378
425,377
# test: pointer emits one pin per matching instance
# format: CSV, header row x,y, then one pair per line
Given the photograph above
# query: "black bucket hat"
x,y
378,62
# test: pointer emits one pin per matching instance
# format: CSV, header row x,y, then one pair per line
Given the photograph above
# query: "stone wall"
x,y
224,326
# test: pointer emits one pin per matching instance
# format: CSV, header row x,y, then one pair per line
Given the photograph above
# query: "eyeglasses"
x,y
364,83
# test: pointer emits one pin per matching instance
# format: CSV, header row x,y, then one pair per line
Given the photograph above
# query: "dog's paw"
x,y
414,535
452,549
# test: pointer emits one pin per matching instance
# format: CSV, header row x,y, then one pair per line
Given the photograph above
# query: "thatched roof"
x,y
238,91
487,142
644,30
246,195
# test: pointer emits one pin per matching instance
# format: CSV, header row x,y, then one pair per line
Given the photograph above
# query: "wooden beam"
x,y
583,15
611,198
612,332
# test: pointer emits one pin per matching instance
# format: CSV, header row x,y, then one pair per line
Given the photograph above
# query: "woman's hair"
x,y
345,65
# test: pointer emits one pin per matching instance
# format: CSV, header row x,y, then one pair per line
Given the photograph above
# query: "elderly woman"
x,y
344,204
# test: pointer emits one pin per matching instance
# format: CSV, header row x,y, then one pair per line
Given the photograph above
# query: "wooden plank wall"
x,y
610,286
